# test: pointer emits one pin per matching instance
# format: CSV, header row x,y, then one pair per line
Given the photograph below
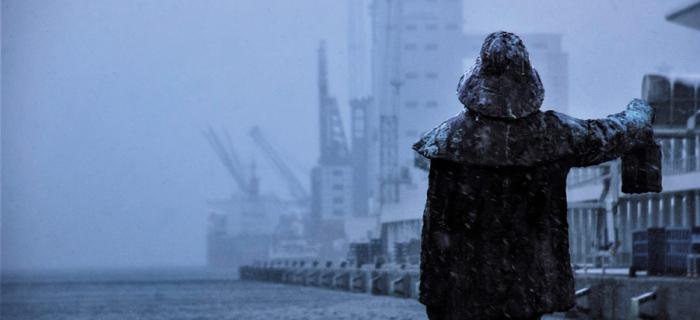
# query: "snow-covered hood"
x,y
502,124
503,96
502,83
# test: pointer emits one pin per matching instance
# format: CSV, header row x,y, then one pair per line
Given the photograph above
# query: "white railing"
x,y
643,301
580,176
680,166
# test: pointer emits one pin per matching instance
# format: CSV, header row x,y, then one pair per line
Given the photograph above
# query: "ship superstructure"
x,y
251,225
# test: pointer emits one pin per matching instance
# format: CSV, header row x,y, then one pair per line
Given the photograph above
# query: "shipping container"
x,y
677,245
640,250
661,251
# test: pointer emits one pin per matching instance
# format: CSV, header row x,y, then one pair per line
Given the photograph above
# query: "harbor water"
x,y
184,294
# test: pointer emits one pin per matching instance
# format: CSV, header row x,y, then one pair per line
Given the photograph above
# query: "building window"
x,y
338,212
410,104
409,46
411,133
358,125
431,75
452,26
338,200
431,26
337,172
338,187
431,104
411,75
431,46
410,27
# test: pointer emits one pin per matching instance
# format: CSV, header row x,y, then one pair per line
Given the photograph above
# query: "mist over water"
x,y
103,104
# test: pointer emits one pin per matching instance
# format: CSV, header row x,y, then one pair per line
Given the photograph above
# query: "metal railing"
x,y
582,176
680,166
643,306
669,167
583,304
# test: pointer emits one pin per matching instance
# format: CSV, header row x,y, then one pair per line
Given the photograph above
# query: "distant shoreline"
x,y
118,275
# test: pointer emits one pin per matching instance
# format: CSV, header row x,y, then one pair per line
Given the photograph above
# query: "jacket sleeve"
x,y
599,140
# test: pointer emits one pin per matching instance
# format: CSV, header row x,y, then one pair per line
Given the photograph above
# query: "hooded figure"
x,y
495,235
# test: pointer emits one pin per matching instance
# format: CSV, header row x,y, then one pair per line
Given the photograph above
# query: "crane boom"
x,y
228,159
295,187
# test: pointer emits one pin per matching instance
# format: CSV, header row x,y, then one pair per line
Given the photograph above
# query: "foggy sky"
x,y
103,162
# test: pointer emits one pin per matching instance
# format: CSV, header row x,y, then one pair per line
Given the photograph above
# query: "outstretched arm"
x,y
600,140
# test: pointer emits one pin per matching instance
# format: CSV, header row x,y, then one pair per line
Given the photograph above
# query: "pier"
x,y
600,293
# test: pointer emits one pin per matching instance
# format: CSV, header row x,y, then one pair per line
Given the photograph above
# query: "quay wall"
x,y
677,298
600,296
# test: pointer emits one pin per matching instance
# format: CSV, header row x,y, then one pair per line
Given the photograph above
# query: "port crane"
x,y
296,188
248,183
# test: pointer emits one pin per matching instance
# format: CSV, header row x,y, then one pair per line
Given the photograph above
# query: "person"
x,y
495,234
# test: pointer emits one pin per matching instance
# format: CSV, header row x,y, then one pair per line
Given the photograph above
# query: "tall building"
x,y
359,59
546,56
359,155
360,102
417,50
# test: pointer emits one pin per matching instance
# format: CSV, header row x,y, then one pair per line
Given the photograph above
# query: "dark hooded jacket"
x,y
495,233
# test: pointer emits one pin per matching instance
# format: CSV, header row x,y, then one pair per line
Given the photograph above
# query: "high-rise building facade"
x,y
361,103
417,51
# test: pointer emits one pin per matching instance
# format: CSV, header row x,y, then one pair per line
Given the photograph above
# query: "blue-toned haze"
x,y
103,103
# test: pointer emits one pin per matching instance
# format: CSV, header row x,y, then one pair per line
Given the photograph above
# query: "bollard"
x,y
583,306
358,280
693,265
283,273
369,271
380,283
583,295
636,304
401,285
415,294
325,279
309,274
383,279
341,280
312,276
299,276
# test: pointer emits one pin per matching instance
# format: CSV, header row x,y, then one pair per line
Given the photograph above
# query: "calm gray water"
x,y
183,294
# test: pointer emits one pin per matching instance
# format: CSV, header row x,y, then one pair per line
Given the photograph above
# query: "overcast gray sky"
x,y
104,101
